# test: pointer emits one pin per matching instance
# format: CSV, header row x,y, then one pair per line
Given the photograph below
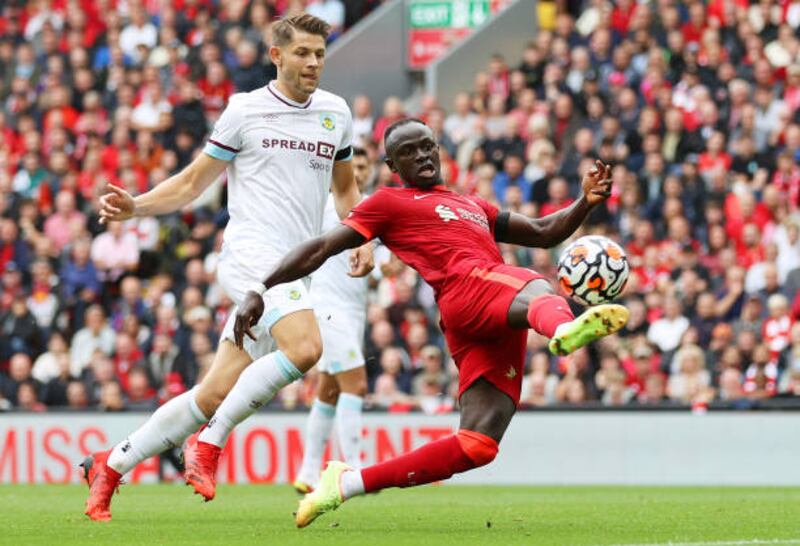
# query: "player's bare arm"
x,y
346,195
550,230
300,262
169,196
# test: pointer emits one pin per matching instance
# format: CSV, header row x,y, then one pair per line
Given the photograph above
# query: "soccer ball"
x,y
593,270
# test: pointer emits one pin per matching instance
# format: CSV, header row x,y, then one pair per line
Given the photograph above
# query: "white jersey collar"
x,y
273,89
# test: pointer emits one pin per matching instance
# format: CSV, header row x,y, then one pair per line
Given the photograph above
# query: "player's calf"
x,y
432,462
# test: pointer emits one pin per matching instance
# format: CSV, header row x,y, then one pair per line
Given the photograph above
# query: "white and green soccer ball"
x,y
593,270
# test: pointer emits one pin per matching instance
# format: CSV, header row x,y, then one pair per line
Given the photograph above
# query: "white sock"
x,y
318,430
348,428
351,483
168,427
258,384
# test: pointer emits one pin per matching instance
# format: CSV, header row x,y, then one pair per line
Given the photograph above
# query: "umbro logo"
x,y
445,213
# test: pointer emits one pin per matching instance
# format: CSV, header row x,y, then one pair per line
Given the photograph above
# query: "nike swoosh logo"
x,y
423,196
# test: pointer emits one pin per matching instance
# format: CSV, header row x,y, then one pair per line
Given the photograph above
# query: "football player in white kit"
x,y
285,146
340,304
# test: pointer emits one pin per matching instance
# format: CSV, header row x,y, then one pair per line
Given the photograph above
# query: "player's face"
x,y
300,64
361,170
414,155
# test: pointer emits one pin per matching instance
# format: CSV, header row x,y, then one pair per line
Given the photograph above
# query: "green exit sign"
x,y
448,13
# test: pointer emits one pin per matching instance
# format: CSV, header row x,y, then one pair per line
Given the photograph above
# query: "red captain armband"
x,y
358,227
480,448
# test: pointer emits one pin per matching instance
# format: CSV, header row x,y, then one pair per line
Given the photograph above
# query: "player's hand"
x,y
247,316
597,183
361,261
116,205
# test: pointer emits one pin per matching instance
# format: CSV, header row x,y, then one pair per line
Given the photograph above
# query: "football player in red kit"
x,y
486,306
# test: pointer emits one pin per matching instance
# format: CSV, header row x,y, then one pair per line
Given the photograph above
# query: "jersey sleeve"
x,y
370,217
490,210
344,151
225,141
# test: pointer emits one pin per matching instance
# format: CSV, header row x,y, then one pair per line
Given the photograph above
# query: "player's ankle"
x,y
351,484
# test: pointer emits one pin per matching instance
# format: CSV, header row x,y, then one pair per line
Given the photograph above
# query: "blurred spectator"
x,y
692,381
19,372
96,335
115,252
667,331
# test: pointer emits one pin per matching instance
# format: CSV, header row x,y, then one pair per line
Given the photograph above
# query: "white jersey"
x,y
281,156
331,287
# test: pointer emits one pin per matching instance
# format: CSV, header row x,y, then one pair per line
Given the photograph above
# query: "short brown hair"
x,y
283,30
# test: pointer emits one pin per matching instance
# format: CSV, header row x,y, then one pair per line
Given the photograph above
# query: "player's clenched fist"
x,y
116,205
597,183
247,316
361,261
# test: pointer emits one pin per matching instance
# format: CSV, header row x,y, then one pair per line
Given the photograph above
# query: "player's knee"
x,y
209,398
480,449
357,388
304,354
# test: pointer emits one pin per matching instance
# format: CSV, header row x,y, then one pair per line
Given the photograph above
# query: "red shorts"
x,y
475,324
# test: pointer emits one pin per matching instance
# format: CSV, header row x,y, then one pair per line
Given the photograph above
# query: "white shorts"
x,y
279,301
342,337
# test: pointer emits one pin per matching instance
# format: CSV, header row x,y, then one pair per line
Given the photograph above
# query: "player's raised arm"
x,y
169,196
550,230
346,195
303,260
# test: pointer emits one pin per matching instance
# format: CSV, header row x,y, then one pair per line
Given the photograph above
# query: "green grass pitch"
x,y
436,515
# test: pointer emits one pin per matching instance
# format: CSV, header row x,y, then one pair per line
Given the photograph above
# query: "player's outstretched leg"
x,y
538,307
257,385
594,323
432,462
485,413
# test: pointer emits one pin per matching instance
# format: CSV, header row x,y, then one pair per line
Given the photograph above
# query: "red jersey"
x,y
441,234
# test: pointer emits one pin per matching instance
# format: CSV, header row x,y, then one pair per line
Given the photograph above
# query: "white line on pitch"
x,y
755,542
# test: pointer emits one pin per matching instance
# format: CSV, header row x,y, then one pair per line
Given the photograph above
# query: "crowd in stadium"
x,y
694,104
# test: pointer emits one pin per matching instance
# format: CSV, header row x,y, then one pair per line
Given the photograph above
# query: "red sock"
x,y
432,462
548,312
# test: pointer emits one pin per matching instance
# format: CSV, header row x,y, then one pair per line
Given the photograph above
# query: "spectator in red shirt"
x,y
392,111
715,158
761,376
216,89
558,197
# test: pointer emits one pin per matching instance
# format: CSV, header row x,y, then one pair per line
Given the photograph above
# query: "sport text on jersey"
x,y
324,150
321,149
447,214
